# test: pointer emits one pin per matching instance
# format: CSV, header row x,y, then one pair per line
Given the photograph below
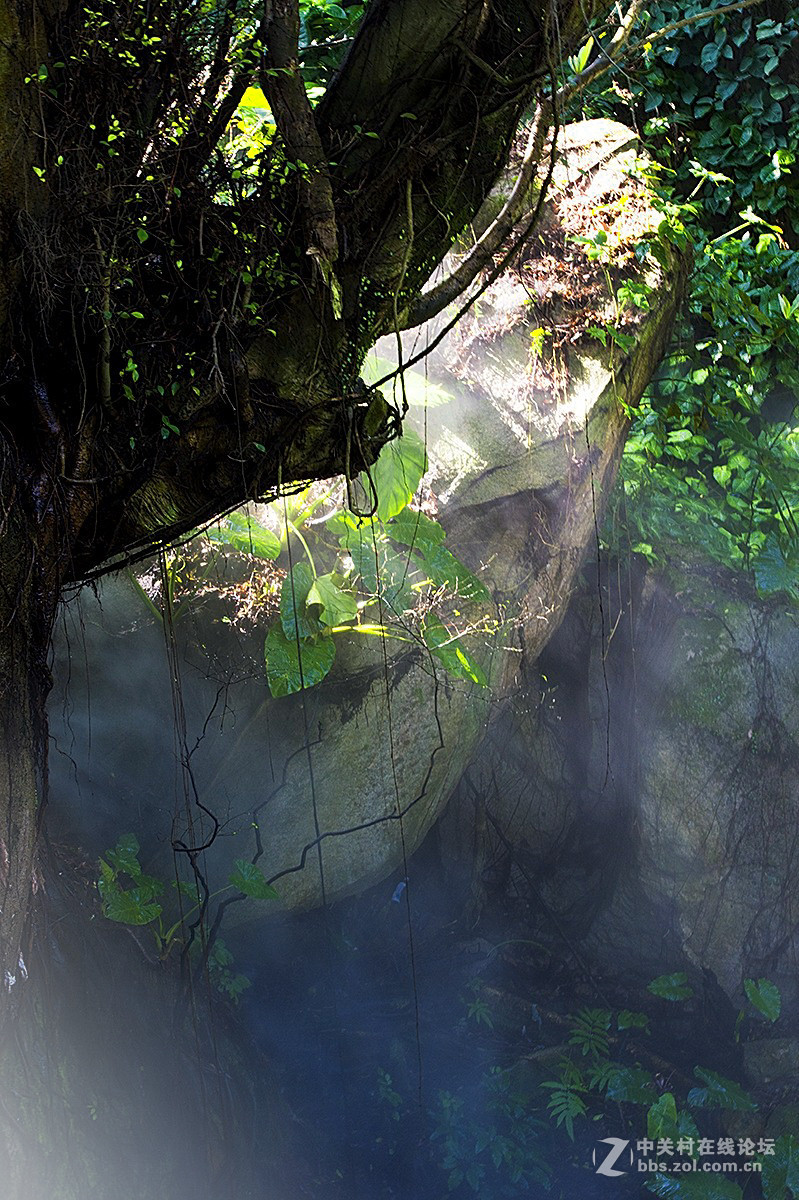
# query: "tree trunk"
x,y
28,598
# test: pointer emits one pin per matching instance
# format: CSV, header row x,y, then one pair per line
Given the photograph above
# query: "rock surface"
x,y
649,778
332,789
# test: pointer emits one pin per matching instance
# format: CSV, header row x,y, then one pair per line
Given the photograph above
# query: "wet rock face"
x,y
719,802
332,789
650,781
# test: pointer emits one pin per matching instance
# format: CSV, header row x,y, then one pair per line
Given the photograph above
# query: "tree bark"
x,y
28,601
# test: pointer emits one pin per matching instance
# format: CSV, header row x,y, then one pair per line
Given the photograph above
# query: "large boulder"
x,y
333,788
648,780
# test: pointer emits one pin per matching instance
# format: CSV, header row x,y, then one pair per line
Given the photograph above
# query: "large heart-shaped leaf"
x,y
632,1085
337,605
292,664
252,881
129,907
295,618
425,537
244,533
781,1169
672,987
413,386
773,573
719,1092
125,855
397,473
765,997
417,530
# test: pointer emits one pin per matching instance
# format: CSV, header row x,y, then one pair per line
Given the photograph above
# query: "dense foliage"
x,y
513,1129
714,454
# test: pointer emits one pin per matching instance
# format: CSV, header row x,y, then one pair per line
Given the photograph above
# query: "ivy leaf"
x,y
765,997
671,987
397,473
710,56
338,606
719,1093
294,616
449,650
292,665
244,533
250,880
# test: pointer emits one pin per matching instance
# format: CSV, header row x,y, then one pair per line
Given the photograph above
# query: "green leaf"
x,y
366,553
630,1085
244,533
418,390
293,665
254,98
448,649
393,575
416,529
590,1031
719,1092
125,855
351,530
781,1169
425,537
772,572
710,56
661,1119
632,1020
397,473
584,54
295,618
250,880
338,606
128,908
671,987
697,1187
765,997
445,570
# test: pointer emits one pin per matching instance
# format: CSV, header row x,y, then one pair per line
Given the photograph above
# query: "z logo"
x,y
606,1166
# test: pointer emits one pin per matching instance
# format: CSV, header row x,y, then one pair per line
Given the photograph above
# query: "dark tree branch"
x,y
284,86
481,256
517,205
